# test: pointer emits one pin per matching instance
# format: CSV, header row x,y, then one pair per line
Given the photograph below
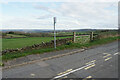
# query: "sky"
x,y
99,14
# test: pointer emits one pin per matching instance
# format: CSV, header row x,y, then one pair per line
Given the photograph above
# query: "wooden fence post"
x,y
74,35
91,36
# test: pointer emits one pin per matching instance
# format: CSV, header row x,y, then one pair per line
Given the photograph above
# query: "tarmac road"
x,y
96,63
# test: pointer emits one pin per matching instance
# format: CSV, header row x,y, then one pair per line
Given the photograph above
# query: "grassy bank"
x,y
67,46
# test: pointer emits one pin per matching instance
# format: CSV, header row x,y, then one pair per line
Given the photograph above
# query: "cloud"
x,y
46,16
59,0
44,8
25,23
87,14
41,7
4,2
71,15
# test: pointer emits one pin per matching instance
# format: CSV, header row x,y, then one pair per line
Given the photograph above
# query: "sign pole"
x,y
54,33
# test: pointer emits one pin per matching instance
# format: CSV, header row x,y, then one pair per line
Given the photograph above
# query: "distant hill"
x,y
26,30
44,31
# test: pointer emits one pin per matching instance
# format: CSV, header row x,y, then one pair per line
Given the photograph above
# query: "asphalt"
x,y
96,63
34,57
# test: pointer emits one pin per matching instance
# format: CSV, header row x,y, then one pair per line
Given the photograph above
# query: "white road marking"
x,y
65,72
65,77
116,53
91,62
32,74
105,53
89,67
72,71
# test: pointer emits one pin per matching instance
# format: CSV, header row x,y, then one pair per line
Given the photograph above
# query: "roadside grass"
x,y
22,42
1,64
106,33
102,41
67,46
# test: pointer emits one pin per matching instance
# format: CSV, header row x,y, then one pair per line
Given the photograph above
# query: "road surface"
x,y
96,63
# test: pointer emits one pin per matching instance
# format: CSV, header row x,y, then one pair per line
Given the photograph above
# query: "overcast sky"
x,y
99,14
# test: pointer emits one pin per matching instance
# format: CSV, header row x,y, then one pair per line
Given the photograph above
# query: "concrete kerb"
x,y
43,59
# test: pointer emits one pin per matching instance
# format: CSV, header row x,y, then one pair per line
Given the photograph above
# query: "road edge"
x,y
43,59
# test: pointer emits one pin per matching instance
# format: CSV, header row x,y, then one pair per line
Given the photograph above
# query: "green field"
x,y
70,46
22,42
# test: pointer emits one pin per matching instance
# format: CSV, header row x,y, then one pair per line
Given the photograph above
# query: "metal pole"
x,y
74,36
54,33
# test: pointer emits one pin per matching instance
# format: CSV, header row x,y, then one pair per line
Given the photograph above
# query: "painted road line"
x,y
65,72
107,55
72,71
116,53
89,67
32,74
89,77
108,58
91,62
65,77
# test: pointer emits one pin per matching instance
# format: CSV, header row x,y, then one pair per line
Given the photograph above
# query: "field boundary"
x,y
38,46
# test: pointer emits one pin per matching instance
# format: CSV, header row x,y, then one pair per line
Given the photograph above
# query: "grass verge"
x,y
71,45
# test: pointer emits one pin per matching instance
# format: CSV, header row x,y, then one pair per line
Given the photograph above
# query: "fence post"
x,y
74,35
91,36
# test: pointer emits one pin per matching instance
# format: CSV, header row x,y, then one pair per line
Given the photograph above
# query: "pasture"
x,y
28,41
22,42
